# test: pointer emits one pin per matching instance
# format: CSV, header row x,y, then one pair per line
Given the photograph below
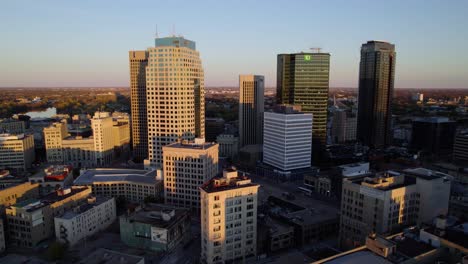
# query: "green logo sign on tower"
x,y
307,57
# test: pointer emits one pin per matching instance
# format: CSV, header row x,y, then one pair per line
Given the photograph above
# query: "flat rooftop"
x,y
31,205
152,214
219,183
301,212
84,208
106,256
116,175
359,257
191,145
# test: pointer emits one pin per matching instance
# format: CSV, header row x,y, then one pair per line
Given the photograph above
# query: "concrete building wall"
x,y
228,145
72,227
229,223
186,167
12,194
16,151
102,125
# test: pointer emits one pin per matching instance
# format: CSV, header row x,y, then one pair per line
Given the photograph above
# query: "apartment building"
x,y
387,202
228,218
85,220
32,221
16,151
187,165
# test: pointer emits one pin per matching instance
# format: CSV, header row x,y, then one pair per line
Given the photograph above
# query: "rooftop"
x,y
35,204
6,136
174,41
116,175
228,181
197,144
53,173
92,202
301,211
106,256
433,119
158,215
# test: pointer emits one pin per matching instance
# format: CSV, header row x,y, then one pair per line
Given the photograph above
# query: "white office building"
x,y
287,138
85,220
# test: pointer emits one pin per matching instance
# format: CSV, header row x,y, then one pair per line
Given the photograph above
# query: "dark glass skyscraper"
x,y
303,79
376,82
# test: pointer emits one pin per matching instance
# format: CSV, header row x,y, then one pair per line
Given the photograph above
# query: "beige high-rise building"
x,y
389,201
94,151
16,151
53,137
187,165
251,107
175,95
102,125
228,218
138,62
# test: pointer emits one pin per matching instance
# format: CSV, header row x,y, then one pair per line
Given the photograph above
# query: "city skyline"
x,y
98,39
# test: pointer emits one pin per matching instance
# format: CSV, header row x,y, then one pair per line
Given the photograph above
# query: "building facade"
x,y
32,221
376,83
303,79
433,135
102,125
228,145
156,227
16,151
388,202
138,61
175,95
187,165
12,126
251,107
84,220
460,148
228,218
10,195
344,126
132,185
287,139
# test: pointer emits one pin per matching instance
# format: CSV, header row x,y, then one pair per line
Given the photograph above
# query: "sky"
x,y
84,43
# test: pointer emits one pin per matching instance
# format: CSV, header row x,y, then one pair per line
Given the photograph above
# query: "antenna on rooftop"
x,y
316,50
156,33
173,30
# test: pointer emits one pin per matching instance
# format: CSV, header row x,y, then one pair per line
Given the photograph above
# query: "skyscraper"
x,y
138,62
376,82
175,95
303,79
251,106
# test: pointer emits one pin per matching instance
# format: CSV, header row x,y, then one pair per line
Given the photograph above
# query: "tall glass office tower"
x,y
376,82
303,79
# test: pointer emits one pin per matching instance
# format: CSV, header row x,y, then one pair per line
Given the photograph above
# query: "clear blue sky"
x,y
86,42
